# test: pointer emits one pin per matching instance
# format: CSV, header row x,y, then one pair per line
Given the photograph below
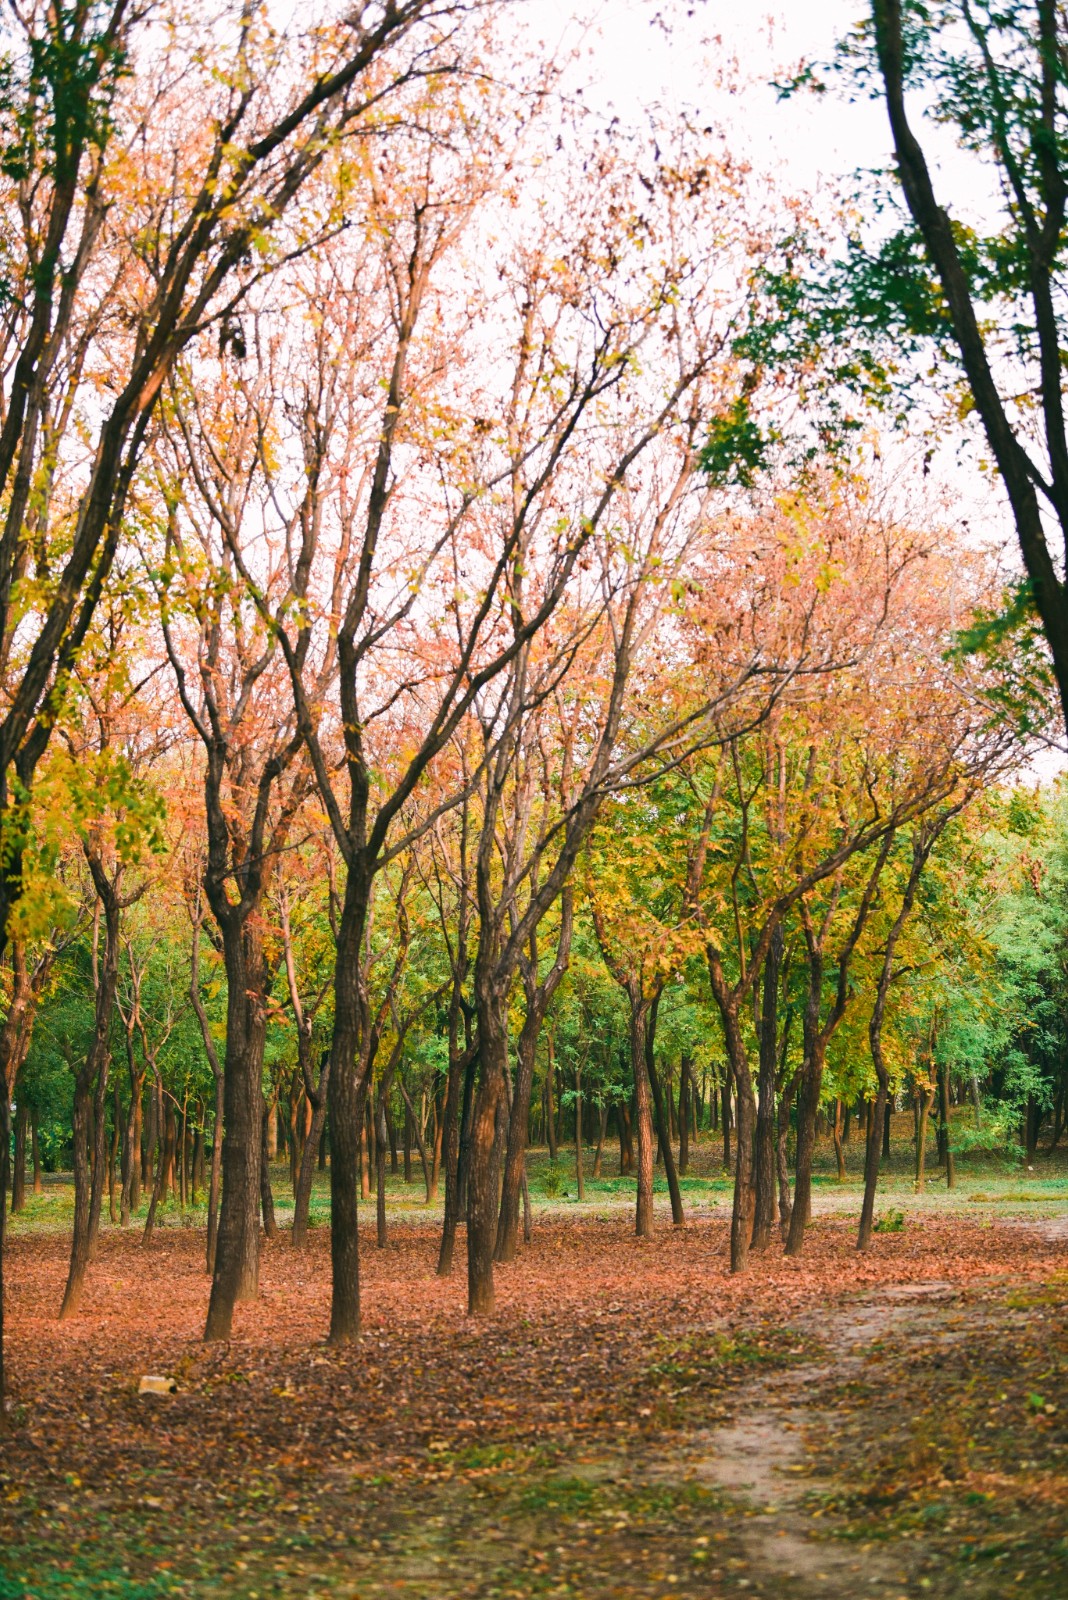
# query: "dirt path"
x,y
761,1459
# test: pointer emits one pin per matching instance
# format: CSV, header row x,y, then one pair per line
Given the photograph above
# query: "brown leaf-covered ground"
x,y
590,1440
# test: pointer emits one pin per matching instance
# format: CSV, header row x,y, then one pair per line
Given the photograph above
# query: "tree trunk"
x,y
412,1123
550,1113
602,1124
661,1102
768,1056
35,1154
113,1153
306,1171
684,1115
925,1100
18,1176
270,1226
786,1100
951,1172
459,1068
90,1089
407,1141
237,1245
626,1140
578,1135
639,1014
838,1135
518,1122
381,1146
482,1197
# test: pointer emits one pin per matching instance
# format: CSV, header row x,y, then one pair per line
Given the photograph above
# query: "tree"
x,y
134,217
979,300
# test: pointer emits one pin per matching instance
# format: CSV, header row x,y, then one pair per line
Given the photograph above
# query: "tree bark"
x,y
768,1048
661,1101
90,1089
237,1247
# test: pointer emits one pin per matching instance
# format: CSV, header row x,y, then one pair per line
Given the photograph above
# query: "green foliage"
x,y
736,449
892,1221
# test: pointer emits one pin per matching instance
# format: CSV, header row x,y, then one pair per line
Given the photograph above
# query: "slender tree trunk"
x,y
237,1245
345,1109
518,1122
838,1135
768,1048
113,1153
602,1124
18,1176
439,1133
924,1101
626,1140
786,1101
270,1226
661,1102
90,1089
412,1123
381,1146
306,1171
460,1069
482,1196
35,1152
639,1015
685,1097
550,1113
951,1171
579,1184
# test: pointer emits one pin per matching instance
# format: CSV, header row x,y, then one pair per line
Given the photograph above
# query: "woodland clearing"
x,y
634,1422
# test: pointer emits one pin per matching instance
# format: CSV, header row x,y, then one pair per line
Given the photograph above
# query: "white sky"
x,y
632,61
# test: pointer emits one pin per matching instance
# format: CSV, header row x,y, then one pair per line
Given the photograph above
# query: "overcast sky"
x,y
630,62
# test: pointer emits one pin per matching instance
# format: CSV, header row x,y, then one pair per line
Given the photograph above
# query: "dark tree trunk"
x,y
237,1247
381,1146
345,1108
661,1102
786,1101
639,1018
90,1088
35,1153
518,1122
626,1140
270,1226
18,1176
768,1046
550,1112
482,1164
685,1100
461,1071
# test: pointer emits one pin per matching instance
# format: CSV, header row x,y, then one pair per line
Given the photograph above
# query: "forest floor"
x,y
634,1422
